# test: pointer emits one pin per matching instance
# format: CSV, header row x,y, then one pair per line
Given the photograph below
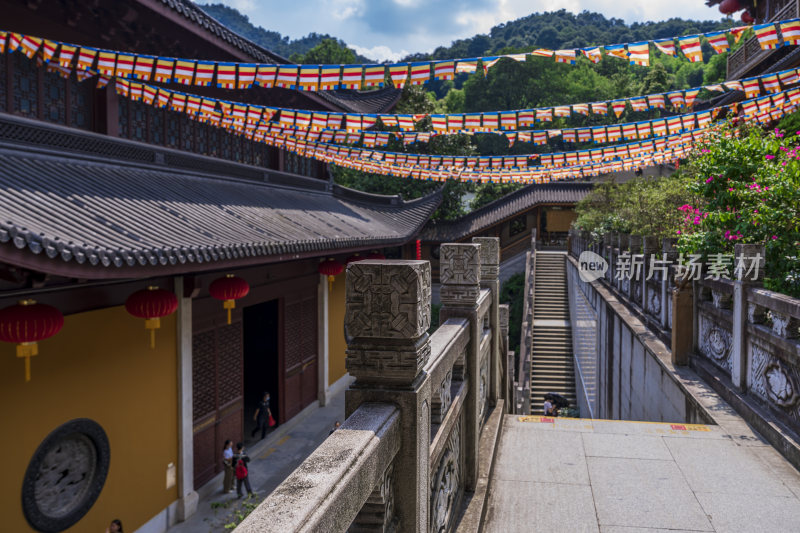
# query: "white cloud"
x,y
379,53
344,9
245,6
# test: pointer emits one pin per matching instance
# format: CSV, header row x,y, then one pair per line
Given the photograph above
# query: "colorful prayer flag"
x,y
565,56
66,55
287,77
618,106
600,108
718,41
676,99
204,73
420,73
581,109
508,120
184,71
143,68
490,121
599,134
30,45
48,49
106,61
617,50
544,115
751,87
614,133
525,117
656,101
593,54
247,75
164,70
690,46
643,129
86,58
265,77
398,73
444,70
125,63
638,104
309,78
767,35
351,77
771,83
639,53
790,31
667,46
690,95
374,75
467,65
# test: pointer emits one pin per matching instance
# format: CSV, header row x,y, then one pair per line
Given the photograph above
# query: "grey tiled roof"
x,y
60,207
379,101
202,19
504,208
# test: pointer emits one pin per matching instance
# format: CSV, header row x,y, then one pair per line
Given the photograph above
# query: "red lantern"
x,y
419,249
729,6
354,258
331,268
26,323
229,289
747,18
151,304
376,255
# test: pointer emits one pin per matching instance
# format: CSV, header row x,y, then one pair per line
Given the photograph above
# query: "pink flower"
x,y
679,232
704,151
769,156
774,237
711,178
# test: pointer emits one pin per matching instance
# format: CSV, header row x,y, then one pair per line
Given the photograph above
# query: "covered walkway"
x,y
582,475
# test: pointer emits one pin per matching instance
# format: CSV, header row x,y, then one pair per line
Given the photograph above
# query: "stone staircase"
x,y
552,364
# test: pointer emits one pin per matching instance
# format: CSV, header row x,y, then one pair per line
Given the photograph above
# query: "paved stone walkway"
x,y
582,475
272,460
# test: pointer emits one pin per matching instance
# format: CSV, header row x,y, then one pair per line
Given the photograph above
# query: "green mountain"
x,y
562,29
271,40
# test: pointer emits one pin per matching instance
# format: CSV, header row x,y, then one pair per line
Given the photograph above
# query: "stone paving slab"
x,y
639,477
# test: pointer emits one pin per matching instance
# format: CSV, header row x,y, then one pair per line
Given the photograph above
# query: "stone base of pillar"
x,y
187,506
682,320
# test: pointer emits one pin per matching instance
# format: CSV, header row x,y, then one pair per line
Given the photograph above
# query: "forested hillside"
x,y
509,84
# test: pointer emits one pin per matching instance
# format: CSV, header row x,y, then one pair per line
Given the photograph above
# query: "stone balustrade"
x,y
408,452
744,339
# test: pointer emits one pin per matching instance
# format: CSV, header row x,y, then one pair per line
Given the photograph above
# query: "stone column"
x,y
683,311
187,497
323,345
388,315
490,279
669,251
506,362
460,275
744,253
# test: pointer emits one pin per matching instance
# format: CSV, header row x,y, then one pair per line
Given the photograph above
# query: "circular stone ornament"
x,y
65,475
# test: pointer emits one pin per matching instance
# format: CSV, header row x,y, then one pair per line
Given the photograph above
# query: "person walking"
x,y
240,459
227,461
262,417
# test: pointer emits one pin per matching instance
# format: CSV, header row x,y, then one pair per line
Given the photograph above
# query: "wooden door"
x,y
299,354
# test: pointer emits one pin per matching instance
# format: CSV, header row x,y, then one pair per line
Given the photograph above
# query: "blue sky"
x,y
389,29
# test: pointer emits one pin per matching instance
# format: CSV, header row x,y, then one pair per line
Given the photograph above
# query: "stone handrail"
x,y
339,477
409,448
522,396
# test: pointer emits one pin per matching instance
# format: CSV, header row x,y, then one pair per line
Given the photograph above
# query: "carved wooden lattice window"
x,y
80,102
25,86
203,374
187,132
299,165
157,126
54,98
123,118
518,225
201,138
173,129
139,121
229,347
213,141
3,87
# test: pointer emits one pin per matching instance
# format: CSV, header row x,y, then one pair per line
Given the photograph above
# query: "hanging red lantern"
x,y
376,255
354,258
151,304
331,268
747,18
229,289
729,6
419,249
26,323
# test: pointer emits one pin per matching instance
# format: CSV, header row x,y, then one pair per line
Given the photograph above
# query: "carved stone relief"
x,y
715,342
773,380
440,402
490,256
460,264
784,325
654,300
446,484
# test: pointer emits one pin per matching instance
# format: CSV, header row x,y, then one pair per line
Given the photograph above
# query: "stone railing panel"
x,y
446,367
329,488
715,322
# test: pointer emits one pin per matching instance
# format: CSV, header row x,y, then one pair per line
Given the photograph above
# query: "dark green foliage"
x,y
271,40
328,51
512,292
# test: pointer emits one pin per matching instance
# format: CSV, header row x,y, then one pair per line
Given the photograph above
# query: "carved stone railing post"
x,y
683,322
388,313
670,253
745,255
490,279
506,359
460,276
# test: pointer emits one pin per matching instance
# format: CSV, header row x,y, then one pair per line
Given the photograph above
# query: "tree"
x,y
327,52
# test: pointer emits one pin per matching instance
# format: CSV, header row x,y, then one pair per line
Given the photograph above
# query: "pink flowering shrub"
x,y
748,184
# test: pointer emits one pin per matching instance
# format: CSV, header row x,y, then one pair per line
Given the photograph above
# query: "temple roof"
x,y
84,205
557,193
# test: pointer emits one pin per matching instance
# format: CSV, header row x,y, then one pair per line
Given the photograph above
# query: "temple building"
x,y
103,199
